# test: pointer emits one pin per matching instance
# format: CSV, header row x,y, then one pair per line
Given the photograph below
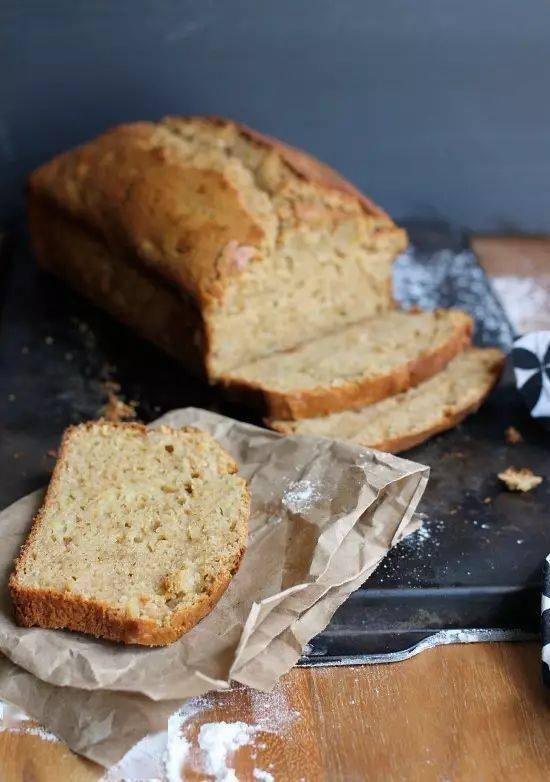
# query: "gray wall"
x,y
436,108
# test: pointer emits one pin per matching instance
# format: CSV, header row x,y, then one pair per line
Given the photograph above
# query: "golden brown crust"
x,y
324,400
61,610
55,609
142,208
151,306
399,444
305,166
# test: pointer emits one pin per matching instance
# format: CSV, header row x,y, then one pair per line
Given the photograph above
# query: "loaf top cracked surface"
x,y
198,200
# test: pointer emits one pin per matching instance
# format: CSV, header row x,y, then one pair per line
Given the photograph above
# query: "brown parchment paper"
x,y
324,513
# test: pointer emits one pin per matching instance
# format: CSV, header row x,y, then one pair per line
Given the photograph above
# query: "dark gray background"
x,y
434,107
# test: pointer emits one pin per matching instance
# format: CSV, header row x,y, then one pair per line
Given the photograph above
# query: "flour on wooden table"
x,y
13,720
142,761
164,756
526,301
262,776
32,730
217,741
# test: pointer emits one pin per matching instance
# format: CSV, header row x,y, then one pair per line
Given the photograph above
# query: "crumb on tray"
x,y
522,479
116,409
512,436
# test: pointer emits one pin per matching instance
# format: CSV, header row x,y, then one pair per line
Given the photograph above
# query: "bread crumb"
x,y
522,479
512,436
53,453
487,500
116,410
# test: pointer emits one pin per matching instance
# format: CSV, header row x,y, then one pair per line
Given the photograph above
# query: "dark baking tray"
x,y
476,564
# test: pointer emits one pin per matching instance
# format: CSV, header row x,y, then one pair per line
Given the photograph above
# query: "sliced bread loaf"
x,y
358,365
408,419
220,244
138,537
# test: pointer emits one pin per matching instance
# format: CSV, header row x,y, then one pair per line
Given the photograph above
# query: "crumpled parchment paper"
x,y
324,513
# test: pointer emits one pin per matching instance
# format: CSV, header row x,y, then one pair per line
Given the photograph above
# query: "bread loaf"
x,y
408,419
357,365
138,537
219,244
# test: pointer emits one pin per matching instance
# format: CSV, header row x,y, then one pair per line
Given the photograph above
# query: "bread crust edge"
x,y
404,443
320,401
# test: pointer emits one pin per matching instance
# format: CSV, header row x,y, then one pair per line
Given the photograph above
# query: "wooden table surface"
x,y
451,714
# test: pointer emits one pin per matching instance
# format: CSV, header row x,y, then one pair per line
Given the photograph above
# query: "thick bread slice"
x,y
406,420
358,365
138,537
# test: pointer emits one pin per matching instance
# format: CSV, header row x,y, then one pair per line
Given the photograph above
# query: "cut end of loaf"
x,y
139,534
251,245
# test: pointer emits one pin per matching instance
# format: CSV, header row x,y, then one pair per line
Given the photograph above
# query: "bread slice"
x,y
138,537
408,419
358,365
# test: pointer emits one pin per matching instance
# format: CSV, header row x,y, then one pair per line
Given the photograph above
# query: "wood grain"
x,y
457,713
523,256
453,714
28,758
520,270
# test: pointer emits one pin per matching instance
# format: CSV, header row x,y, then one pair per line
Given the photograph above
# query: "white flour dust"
x,y
32,731
142,761
301,496
217,740
526,301
163,756
14,720
271,711
423,534
262,776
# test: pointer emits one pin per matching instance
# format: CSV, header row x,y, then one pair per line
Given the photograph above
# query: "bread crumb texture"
x,y
522,479
146,526
409,418
358,365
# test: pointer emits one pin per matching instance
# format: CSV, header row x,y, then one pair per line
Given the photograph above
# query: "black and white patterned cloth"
x,y
531,360
545,623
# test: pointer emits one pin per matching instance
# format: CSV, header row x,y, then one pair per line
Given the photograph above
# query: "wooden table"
x,y
451,714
